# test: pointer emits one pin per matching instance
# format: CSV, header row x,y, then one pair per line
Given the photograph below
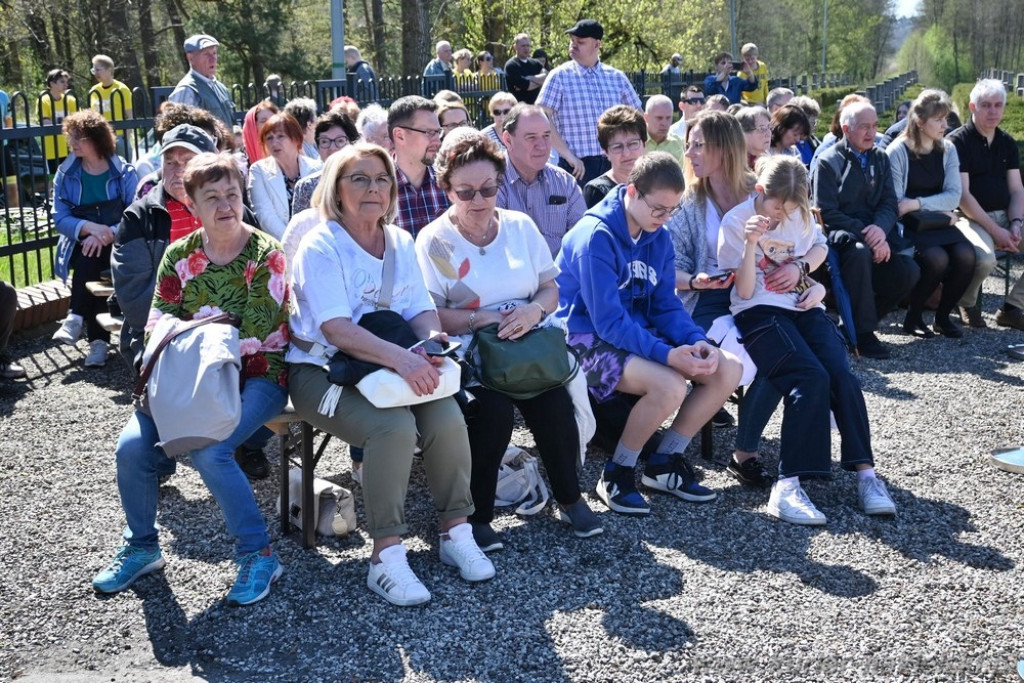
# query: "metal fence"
x,y
32,147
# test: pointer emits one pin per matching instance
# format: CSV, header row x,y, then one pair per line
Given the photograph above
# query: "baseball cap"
x,y
587,28
188,137
198,42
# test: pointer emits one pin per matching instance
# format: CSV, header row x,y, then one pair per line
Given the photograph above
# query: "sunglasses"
x,y
500,112
695,100
470,195
487,59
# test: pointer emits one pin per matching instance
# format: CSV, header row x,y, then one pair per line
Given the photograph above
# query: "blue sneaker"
x,y
256,572
617,489
129,564
672,474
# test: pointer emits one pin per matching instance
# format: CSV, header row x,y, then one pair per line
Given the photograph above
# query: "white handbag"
x,y
385,388
334,508
520,483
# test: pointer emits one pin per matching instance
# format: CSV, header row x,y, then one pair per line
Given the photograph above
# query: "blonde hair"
x,y
723,134
783,178
928,105
327,198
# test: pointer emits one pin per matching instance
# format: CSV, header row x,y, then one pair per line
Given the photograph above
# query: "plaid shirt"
x,y
553,200
579,95
417,207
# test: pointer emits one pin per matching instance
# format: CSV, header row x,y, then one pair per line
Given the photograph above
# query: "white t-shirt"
x,y
711,228
789,241
334,277
510,271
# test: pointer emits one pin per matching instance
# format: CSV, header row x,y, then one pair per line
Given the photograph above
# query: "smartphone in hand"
x,y
435,347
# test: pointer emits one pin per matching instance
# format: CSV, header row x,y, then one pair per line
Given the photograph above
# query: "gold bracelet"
x,y
543,313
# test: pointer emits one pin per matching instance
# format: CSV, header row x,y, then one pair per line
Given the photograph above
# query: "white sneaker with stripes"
x,y
394,580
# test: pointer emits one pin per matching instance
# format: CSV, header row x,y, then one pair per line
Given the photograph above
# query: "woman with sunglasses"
x,y
499,107
617,297
488,75
488,266
622,134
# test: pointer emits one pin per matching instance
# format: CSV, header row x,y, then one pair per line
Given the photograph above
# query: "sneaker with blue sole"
x,y
256,573
129,564
617,489
672,474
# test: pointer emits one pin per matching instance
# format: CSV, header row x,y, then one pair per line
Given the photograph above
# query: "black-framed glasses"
x,y
501,112
659,212
470,194
694,100
429,132
361,181
327,143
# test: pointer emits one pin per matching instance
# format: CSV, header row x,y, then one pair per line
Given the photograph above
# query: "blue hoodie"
x,y
624,293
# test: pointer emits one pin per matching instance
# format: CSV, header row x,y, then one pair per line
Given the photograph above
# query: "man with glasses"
x,y
200,86
658,115
575,94
416,134
110,97
544,192
524,75
690,103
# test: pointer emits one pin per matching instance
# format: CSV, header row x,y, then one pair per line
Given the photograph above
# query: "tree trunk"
x,y
378,37
149,52
174,17
120,39
40,39
415,39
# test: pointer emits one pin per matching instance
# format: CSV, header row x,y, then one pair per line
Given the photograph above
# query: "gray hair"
x,y
303,109
987,87
371,119
655,100
352,51
851,111
808,104
776,94
747,116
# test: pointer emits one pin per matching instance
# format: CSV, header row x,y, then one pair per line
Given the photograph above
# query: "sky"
x,y
906,8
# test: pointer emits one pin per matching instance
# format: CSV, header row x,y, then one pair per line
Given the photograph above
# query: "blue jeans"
x,y
760,399
802,355
140,462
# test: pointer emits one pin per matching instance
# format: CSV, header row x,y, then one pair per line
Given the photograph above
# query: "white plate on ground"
x,y
1011,460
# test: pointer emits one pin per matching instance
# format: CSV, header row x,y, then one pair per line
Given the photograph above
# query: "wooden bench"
x,y
297,447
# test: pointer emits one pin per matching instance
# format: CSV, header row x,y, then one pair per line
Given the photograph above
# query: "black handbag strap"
x,y
147,370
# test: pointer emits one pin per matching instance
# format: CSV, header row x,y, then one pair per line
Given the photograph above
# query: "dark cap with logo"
x,y
188,137
587,28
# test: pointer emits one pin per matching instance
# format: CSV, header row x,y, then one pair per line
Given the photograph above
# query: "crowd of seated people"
x,y
482,230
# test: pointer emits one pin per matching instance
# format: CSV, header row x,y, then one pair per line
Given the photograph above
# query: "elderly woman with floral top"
x,y
226,266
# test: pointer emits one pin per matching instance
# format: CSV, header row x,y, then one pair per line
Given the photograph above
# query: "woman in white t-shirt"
x,y
487,266
337,280
796,346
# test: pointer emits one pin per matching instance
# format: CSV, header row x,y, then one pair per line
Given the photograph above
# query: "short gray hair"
x,y
352,51
303,109
852,111
372,117
776,94
655,100
987,87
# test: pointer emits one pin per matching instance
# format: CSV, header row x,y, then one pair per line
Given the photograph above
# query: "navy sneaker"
x,y
617,489
672,474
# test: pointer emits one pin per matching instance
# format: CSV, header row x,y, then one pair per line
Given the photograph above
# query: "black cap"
x,y
188,137
587,28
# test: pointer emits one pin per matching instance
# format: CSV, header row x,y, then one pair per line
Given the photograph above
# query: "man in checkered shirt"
x,y
416,134
575,94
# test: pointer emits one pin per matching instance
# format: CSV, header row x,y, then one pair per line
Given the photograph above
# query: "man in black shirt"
x,y
992,198
524,75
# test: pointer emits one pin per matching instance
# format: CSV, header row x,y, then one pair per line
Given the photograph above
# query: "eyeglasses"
x,y
430,133
620,147
764,130
694,100
659,212
97,69
501,112
488,58
327,143
470,194
361,181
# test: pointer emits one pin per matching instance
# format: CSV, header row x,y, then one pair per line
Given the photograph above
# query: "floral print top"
x,y
252,286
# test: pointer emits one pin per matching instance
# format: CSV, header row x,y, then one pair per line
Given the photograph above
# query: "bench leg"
x,y
707,445
286,523
308,523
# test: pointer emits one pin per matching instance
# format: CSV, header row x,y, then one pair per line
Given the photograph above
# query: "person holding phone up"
x,y
723,82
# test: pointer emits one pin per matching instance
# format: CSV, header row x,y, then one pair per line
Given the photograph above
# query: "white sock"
x,y
869,473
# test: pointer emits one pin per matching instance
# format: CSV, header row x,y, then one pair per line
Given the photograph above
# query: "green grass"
x,y
1013,118
24,269
827,100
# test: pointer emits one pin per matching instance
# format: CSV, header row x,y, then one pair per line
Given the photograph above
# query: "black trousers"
x,y
83,302
8,307
549,417
875,289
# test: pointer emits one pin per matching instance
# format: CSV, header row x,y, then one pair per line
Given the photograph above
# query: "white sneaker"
x,y
394,580
789,503
874,497
460,550
357,473
97,357
70,330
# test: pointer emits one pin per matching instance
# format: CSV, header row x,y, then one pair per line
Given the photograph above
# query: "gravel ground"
x,y
716,592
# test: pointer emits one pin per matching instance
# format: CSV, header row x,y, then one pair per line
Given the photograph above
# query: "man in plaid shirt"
x,y
416,133
575,94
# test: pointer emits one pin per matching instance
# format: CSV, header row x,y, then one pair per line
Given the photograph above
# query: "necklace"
x,y
474,238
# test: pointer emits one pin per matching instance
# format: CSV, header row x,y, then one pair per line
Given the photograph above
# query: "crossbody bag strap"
x,y
147,370
387,282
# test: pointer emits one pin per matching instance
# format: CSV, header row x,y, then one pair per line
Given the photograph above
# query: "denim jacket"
x,y
67,193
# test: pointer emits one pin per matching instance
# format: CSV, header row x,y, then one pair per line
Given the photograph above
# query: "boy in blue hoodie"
x,y
617,297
